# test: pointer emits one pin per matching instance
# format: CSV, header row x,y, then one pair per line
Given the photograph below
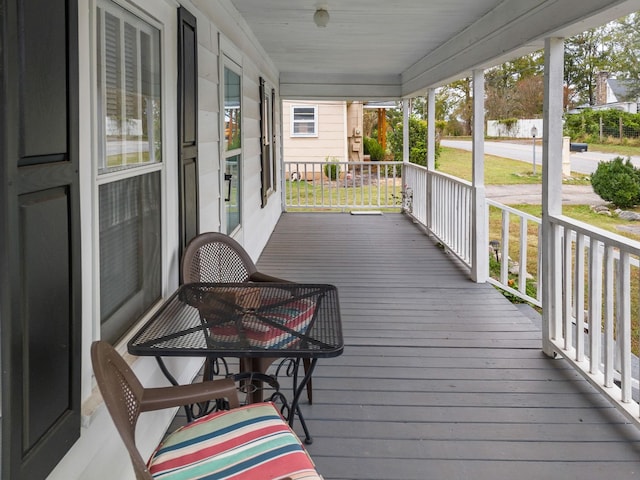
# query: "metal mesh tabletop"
x,y
245,320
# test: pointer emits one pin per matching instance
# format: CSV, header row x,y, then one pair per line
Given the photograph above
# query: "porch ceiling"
x,y
389,49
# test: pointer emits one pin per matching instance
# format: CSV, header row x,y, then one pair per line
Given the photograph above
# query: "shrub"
x,y
417,142
618,182
373,148
591,124
331,168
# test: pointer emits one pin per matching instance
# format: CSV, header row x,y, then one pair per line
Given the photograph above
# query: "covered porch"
x,y
441,377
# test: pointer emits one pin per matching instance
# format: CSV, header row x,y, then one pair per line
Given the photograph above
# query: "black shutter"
x,y
187,126
274,175
40,239
265,143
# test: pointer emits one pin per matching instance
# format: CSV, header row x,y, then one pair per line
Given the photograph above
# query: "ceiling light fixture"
x,y
321,17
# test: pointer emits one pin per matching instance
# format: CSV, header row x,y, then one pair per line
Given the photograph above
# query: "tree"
x,y
626,51
461,103
503,99
585,55
530,96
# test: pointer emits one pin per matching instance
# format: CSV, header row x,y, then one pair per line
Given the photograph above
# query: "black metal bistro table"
x,y
247,320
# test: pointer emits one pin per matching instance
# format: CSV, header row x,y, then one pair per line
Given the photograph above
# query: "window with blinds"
x,y
130,152
304,121
128,77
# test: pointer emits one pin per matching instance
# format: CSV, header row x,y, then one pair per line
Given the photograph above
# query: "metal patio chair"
x,y
248,442
216,257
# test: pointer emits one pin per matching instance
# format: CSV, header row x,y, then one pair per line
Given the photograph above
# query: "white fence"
x,y
520,129
343,185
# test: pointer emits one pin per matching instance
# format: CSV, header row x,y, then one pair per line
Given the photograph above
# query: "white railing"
x,y
443,204
511,239
343,185
595,276
594,293
415,187
596,290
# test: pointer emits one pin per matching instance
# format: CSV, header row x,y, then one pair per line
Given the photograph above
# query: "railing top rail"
x,y
451,178
416,166
345,162
515,211
595,233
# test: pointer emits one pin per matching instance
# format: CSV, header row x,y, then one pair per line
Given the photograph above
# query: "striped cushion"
x,y
248,443
295,316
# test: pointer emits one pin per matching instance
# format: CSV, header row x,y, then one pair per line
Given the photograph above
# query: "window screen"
x,y
129,197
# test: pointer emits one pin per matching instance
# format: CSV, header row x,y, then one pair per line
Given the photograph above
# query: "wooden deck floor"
x,y
441,378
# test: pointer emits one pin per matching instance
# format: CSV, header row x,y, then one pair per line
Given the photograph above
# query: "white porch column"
x,y
405,130
551,190
431,153
431,129
479,240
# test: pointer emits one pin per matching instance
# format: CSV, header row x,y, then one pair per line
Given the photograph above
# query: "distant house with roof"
x,y
612,93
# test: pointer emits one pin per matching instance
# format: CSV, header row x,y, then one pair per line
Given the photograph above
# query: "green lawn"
x,y
303,195
497,170
620,149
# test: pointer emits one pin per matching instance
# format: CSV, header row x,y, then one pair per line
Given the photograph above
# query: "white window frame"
x,y
314,122
140,169
231,60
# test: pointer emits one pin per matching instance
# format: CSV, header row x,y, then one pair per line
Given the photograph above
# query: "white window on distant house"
x,y
129,166
304,121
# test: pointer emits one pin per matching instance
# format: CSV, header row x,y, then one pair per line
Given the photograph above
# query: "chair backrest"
x,y
122,393
215,257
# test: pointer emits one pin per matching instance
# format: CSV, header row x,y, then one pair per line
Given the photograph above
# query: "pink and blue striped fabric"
x,y
248,443
295,315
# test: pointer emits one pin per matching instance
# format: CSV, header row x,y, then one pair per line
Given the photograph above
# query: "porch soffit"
x,y
390,49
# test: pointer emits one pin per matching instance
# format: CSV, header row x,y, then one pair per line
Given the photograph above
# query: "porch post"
x,y
431,151
551,189
479,245
431,129
405,130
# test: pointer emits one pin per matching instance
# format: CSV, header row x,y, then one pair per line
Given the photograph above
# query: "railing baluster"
x,y
539,266
368,183
303,178
330,192
522,273
609,320
623,337
504,259
579,296
567,271
379,185
309,184
595,305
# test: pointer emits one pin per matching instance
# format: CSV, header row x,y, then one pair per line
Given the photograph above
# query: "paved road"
x,y
585,162
532,194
